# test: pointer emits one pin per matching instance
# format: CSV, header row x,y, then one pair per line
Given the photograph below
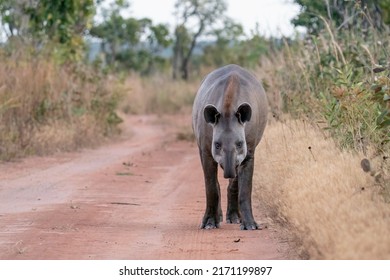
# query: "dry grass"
x,y
158,94
46,108
321,194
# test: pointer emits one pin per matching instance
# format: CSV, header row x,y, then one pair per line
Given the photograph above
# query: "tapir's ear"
x,y
211,114
244,113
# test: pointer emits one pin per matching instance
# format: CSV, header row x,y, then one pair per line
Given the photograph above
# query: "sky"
x,y
273,16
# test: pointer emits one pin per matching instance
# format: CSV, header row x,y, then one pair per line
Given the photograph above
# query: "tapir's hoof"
x,y
233,218
250,226
210,223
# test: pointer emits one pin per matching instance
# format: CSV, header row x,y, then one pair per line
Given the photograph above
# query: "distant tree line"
x,y
129,43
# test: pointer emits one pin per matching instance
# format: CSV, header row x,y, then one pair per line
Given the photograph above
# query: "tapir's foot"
x,y
233,218
250,226
209,223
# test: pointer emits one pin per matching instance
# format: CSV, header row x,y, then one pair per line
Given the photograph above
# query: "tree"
x,y
232,46
40,22
118,34
251,49
158,39
181,43
225,48
203,14
13,18
130,43
115,30
144,56
342,13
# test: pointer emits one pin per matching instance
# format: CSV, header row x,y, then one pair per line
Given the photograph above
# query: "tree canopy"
x,y
126,43
204,15
344,14
42,21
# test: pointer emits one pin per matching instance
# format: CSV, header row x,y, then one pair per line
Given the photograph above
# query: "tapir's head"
x,y
229,144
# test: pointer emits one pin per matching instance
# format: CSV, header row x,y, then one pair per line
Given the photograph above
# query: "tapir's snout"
x,y
229,168
229,174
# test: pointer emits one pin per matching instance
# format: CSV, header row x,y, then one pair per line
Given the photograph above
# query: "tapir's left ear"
x,y
244,113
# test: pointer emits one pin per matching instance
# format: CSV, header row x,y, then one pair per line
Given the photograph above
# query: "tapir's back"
x,y
227,88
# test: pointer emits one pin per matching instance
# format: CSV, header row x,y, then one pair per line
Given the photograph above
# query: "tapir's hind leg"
x,y
232,214
213,213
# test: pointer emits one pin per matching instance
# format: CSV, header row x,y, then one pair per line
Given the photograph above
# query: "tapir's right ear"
x,y
211,114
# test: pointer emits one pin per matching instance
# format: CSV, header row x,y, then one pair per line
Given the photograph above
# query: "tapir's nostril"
x,y
229,174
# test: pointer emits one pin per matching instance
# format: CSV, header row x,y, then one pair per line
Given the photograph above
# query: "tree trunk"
x,y
186,60
177,53
184,70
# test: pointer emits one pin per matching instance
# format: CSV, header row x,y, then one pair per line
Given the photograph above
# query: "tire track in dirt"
x,y
140,198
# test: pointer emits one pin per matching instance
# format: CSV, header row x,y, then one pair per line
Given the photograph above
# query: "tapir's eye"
x,y
217,145
239,144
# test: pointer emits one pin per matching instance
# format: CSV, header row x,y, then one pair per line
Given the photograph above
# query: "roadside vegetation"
x,y
158,94
318,198
339,79
68,68
49,99
46,108
329,149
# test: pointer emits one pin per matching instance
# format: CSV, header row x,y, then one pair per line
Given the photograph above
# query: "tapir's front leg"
x,y
245,193
232,213
213,214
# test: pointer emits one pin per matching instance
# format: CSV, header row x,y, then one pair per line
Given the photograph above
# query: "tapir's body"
x,y
229,116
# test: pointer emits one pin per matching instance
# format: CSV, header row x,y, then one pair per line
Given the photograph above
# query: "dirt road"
x,y
139,198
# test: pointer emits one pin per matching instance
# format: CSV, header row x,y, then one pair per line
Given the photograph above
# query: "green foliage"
x,y
340,80
355,109
231,47
380,89
224,50
57,24
385,9
342,13
309,15
203,14
122,44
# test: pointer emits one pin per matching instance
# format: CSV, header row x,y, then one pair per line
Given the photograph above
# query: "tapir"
x,y
229,116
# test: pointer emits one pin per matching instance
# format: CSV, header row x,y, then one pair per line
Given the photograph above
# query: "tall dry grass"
x,y
321,194
45,107
158,94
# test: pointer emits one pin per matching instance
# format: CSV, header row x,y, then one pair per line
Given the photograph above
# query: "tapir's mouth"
x,y
229,174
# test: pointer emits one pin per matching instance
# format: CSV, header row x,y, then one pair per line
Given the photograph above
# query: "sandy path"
x,y
139,198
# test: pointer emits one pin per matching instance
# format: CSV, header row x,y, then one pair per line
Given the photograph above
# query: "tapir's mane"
x,y
231,90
